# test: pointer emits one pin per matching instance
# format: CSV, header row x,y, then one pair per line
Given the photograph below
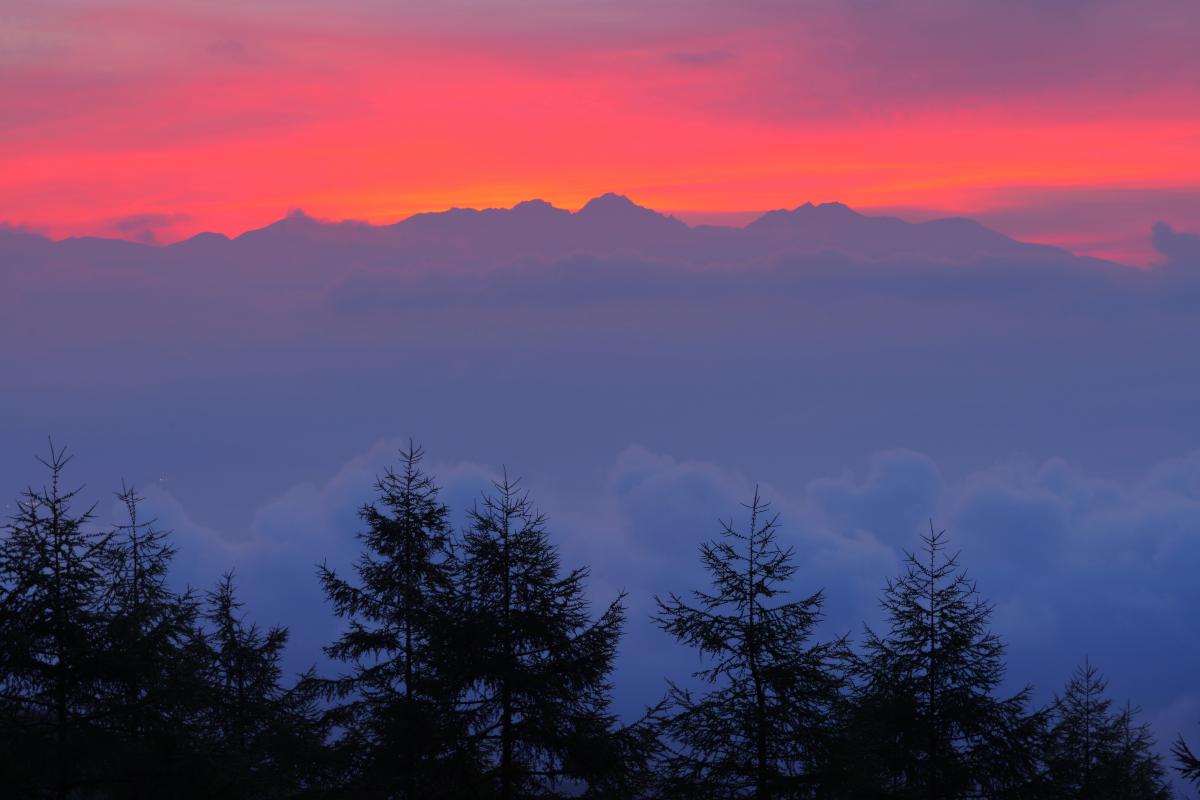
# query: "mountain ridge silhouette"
x,y
608,225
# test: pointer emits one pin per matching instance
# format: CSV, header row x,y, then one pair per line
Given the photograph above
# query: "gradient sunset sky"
x,y
1070,122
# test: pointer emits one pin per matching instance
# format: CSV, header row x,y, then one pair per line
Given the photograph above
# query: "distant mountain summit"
x,y
837,227
606,226
617,210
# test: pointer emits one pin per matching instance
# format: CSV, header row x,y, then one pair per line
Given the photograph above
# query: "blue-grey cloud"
x,y
1076,564
1038,406
1180,249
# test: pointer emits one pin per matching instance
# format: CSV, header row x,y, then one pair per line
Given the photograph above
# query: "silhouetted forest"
x,y
471,665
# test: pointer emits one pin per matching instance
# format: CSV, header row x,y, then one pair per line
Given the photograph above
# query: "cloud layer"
x,y
1076,565
1039,406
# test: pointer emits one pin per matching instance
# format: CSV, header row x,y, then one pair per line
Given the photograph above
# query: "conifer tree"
x,y
1081,735
1137,771
258,738
1187,762
762,725
535,665
52,574
927,721
148,684
1093,752
397,698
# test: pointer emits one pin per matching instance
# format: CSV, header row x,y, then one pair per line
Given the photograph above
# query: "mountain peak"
x,y
537,208
535,203
296,218
610,202
612,209
203,240
295,222
208,236
834,209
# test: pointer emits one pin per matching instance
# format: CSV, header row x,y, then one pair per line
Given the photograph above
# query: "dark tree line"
x,y
470,665
114,686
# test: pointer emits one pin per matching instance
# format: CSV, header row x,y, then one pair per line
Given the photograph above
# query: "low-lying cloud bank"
x,y
237,381
1076,565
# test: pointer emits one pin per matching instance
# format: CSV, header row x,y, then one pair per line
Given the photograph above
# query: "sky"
x,y
1072,123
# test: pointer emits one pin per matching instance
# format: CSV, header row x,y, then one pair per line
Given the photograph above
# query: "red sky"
x,y
1073,122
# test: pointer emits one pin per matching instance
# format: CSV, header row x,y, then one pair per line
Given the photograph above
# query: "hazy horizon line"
x,y
681,215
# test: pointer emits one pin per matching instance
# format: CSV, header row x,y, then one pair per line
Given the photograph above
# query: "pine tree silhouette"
x,y
927,722
398,700
1092,752
258,739
1187,762
1082,735
534,664
1137,771
52,574
147,683
763,724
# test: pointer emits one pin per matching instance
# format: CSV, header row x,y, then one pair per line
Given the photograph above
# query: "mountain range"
x,y
534,230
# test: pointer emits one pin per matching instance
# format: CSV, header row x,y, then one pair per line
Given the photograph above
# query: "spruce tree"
x,y
52,568
1081,735
147,683
1137,771
397,699
1093,752
1187,762
762,724
927,720
258,739
534,664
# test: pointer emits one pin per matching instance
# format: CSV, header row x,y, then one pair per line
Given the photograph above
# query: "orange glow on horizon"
x,y
185,122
